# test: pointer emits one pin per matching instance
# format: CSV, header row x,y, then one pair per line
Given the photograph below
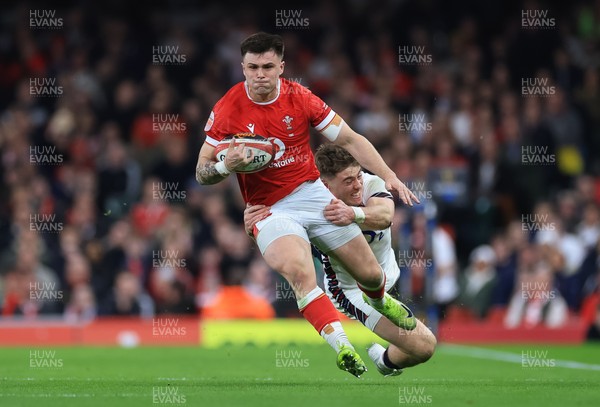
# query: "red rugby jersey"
x,y
286,121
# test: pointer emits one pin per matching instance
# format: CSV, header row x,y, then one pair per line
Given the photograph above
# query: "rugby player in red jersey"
x,y
283,111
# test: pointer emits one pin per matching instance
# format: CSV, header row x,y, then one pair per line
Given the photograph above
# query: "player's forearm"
x,y
365,153
207,174
377,217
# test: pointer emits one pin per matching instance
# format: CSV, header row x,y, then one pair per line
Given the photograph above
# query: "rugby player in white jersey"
x,y
363,199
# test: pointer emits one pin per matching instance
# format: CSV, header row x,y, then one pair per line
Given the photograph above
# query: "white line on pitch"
x,y
483,353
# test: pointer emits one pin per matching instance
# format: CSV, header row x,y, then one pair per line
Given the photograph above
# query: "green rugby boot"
x,y
394,310
350,361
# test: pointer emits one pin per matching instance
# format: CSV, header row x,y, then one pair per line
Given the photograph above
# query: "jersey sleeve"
x,y
213,127
323,118
374,187
319,113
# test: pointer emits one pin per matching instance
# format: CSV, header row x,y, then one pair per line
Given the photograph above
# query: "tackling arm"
x,y
369,158
378,213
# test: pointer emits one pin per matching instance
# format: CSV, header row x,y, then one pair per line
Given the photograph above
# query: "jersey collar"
x,y
263,103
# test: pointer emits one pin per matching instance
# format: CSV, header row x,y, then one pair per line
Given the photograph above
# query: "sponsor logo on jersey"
x,y
250,127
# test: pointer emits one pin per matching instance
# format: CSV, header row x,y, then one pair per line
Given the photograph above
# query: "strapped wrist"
x,y
222,168
359,215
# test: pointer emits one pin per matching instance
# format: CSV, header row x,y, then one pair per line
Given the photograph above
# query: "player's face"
x,y
262,71
347,185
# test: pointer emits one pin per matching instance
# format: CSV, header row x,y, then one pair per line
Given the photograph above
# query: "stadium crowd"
x,y
495,125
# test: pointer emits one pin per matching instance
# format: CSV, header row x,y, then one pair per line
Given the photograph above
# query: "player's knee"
x,y
372,276
296,272
426,348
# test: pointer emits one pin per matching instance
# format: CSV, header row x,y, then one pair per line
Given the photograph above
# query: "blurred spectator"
x,y
81,306
127,298
566,127
588,230
445,284
151,211
119,179
506,269
535,300
477,282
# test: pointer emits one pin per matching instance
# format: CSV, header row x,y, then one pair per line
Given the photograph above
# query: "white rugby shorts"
x,y
301,213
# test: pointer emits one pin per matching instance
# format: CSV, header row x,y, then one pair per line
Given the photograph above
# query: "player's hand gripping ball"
x,y
258,147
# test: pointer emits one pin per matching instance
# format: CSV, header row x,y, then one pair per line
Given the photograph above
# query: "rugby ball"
x,y
263,149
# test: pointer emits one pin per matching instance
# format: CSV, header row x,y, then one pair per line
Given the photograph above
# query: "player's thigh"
x,y
286,249
358,259
419,341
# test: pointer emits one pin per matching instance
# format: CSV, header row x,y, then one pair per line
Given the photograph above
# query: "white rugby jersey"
x,y
380,241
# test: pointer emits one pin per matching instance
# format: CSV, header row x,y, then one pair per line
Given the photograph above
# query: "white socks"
x,y
335,336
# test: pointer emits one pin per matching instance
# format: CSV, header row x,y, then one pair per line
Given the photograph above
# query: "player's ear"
x,y
281,67
325,182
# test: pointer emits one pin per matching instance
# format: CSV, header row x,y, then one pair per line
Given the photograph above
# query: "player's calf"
x,y
407,348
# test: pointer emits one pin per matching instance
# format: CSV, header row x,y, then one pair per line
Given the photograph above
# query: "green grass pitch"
x,y
290,375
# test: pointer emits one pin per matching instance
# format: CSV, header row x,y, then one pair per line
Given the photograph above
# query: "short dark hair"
x,y
332,159
262,42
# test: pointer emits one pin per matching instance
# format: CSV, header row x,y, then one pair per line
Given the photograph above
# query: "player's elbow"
x,y
386,216
203,180
206,174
